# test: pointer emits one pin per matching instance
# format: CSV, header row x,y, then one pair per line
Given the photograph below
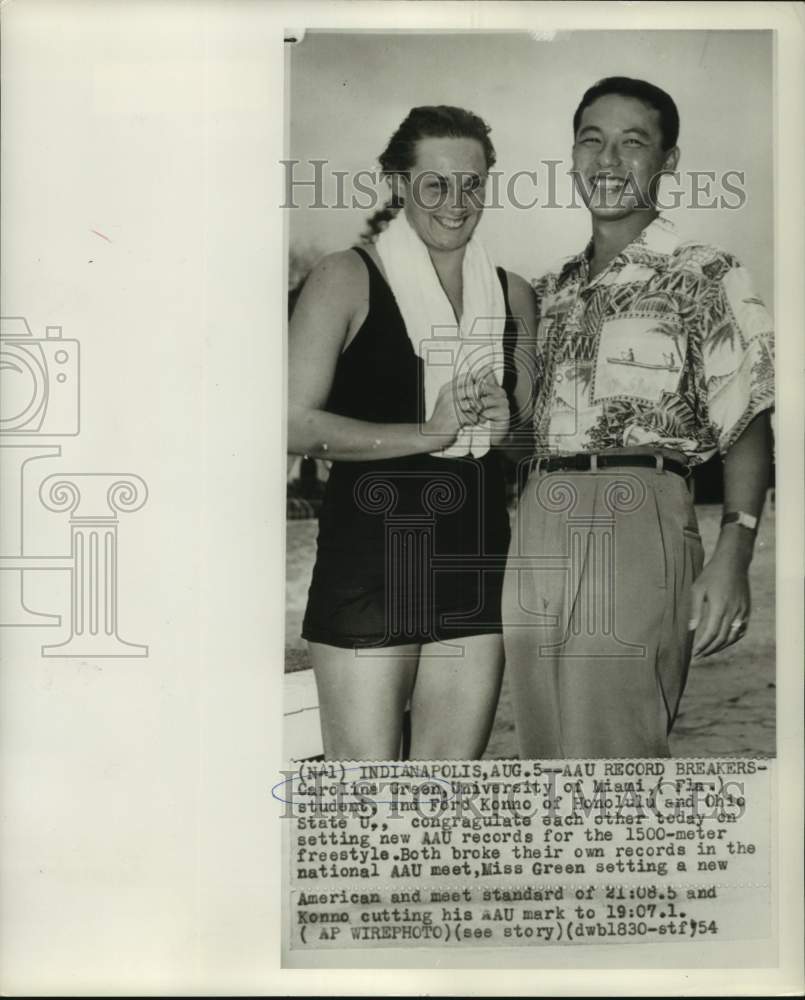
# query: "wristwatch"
x,y
745,520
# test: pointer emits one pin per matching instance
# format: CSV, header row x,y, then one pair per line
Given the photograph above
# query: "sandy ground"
x,y
729,702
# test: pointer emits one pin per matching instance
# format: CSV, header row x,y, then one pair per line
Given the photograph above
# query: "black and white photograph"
x,y
401,508
531,395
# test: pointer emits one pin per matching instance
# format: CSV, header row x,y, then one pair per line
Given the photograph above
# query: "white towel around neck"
x,y
444,347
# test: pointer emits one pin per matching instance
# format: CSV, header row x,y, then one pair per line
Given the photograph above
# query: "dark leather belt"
x,y
583,462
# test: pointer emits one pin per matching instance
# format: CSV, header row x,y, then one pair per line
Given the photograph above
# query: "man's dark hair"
x,y
650,95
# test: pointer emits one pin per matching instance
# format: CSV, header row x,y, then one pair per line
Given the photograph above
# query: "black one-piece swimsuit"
x,y
411,549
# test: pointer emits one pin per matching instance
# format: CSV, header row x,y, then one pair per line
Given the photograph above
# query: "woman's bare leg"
x,y
454,700
362,698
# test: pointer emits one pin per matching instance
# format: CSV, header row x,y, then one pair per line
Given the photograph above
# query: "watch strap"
x,y
740,517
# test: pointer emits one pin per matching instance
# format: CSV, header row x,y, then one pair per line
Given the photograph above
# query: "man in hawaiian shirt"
x,y
652,354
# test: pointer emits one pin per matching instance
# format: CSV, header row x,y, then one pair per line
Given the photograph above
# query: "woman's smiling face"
x,y
444,192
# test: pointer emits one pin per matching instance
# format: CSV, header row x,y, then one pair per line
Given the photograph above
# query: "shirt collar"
x,y
659,237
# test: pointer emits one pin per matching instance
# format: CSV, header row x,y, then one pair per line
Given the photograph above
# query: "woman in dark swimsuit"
x,y
404,602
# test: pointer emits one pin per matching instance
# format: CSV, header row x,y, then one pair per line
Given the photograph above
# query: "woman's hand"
x,y
494,408
457,405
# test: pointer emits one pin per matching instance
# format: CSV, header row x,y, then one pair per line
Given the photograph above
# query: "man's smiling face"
x,y
618,156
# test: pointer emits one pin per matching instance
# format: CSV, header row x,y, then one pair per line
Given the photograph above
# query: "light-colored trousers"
x,y
596,608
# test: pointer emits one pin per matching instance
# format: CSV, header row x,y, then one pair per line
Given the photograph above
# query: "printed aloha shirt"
x,y
668,346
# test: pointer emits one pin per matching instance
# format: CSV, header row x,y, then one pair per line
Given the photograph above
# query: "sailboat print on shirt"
x,y
639,358
628,358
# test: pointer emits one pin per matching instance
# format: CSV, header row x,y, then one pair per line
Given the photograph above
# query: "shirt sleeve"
x,y
541,288
738,355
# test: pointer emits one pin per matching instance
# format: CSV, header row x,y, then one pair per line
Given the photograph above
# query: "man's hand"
x,y
494,407
720,608
720,603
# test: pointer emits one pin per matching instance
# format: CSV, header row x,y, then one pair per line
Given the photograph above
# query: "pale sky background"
x,y
349,92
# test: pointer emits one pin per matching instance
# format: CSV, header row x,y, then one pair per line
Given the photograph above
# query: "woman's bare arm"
x,y
333,296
